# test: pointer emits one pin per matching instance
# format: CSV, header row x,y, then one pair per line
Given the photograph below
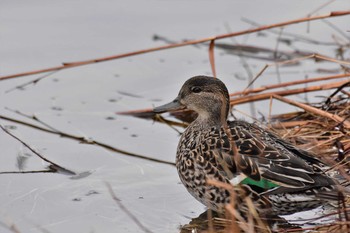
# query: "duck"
x,y
278,176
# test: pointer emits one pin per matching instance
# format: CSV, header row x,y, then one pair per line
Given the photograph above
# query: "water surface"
x,y
83,102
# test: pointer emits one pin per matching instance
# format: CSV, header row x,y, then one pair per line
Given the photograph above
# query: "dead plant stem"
x,y
286,84
314,110
264,96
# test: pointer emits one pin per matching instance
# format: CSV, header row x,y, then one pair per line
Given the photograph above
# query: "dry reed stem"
x,y
285,84
169,123
212,57
190,42
270,110
254,214
264,96
136,112
296,37
210,221
241,222
314,110
325,142
246,226
246,91
316,56
324,135
229,207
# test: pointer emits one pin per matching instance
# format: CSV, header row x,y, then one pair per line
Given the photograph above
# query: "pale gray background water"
x,y
39,34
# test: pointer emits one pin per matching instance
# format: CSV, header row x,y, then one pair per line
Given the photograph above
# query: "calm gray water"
x,y
83,101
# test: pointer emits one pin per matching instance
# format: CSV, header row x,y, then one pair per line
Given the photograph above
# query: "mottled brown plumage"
x,y
213,148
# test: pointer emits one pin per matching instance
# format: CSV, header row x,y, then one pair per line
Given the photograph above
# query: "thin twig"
x,y
246,91
125,210
275,54
335,28
161,119
328,101
26,172
320,7
295,36
35,81
32,117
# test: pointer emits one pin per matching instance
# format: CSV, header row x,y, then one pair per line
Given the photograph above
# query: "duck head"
x,y
205,95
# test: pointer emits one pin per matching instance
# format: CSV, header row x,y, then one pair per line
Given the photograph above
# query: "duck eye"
x,y
196,89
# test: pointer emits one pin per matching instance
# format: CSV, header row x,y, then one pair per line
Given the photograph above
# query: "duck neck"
x,y
211,118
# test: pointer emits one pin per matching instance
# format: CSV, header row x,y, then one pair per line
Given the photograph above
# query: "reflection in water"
x,y
221,223
81,175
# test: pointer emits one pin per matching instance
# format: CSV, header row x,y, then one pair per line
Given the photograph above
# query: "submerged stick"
x,y
190,42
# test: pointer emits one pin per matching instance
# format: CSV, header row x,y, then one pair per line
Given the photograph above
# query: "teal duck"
x,y
231,152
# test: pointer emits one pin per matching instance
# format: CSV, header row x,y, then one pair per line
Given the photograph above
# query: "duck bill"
x,y
172,106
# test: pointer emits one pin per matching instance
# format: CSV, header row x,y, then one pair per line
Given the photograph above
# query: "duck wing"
x,y
282,144
260,155
307,156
